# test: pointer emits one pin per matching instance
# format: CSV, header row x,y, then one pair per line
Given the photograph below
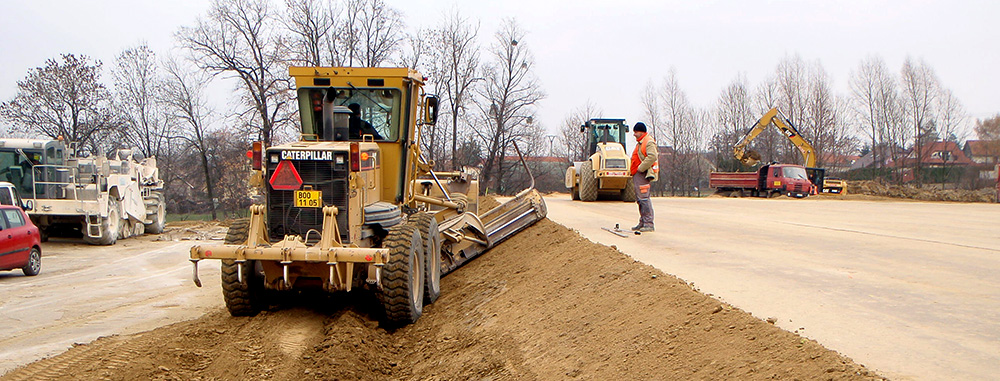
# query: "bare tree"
x,y
651,108
415,50
380,30
239,38
868,99
184,95
822,116
919,90
138,84
312,26
457,63
734,114
792,78
506,101
573,144
951,116
63,98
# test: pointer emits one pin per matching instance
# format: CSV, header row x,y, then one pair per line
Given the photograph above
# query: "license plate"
x,y
308,199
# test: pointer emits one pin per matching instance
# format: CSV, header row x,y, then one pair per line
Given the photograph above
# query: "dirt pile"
x,y
874,188
546,304
194,230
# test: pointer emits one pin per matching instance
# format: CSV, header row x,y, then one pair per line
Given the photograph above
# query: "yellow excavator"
x,y
778,120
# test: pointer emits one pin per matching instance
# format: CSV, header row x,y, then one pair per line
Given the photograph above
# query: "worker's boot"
x,y
637,227
645,229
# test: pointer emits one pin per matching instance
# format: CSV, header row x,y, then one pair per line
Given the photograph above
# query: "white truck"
x,y
104,198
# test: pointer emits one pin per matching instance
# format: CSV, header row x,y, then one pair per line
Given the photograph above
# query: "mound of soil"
x,y
546,304
875,188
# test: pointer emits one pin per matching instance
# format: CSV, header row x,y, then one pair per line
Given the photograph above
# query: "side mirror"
x,y
430,109
583,127
28,205
626,128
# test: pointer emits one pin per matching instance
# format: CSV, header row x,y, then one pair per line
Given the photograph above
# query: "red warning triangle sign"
x,y
285,177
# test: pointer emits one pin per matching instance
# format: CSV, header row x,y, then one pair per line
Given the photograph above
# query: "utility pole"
x,y
551,139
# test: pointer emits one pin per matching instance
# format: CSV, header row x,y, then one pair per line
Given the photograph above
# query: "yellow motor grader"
x,y
353,204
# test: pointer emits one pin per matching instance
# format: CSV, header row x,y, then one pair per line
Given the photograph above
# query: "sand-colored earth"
x,y
546,304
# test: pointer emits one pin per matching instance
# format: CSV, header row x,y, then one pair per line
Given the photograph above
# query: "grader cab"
x,y
353,204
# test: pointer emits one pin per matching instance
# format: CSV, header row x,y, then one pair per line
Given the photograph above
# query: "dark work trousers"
x,y
642,198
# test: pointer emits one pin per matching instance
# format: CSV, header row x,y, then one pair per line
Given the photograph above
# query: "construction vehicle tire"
x,y
427,226
109,226
402,293
628,194
588,182
159,217
242,298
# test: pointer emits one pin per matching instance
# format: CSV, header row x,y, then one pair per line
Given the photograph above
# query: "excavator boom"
x,y
786,127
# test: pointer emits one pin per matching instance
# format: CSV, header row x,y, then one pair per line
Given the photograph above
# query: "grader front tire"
x,y
242,298
402,293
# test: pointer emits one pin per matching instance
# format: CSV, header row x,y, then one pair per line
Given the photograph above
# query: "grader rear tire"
x,y
402,293
427,226
588,183
628,194
242,299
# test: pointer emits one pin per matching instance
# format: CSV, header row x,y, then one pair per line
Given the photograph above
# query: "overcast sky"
x,y
601,51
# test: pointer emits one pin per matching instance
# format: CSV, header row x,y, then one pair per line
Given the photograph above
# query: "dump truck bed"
x,y
733,180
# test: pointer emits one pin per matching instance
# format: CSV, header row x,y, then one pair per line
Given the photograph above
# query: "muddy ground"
x,y
546,304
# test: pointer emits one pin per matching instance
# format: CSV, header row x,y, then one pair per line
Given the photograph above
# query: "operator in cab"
x,y
360,127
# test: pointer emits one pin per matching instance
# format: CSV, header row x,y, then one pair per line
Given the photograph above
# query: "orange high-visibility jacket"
x,y
645,157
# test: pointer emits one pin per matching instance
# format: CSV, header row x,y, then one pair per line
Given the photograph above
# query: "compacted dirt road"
x,y
546,304
85,292
909,289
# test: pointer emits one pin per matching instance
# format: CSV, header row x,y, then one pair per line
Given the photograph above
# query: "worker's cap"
x,y
639,127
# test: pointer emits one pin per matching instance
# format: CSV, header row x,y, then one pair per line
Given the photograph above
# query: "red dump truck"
x,y
770,180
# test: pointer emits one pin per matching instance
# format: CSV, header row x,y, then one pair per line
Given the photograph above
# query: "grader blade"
x,y
526,208
514,215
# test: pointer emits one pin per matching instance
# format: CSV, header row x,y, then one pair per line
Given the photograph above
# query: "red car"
x,y
20,246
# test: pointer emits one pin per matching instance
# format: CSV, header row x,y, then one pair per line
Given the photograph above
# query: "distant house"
x,y
985,154
935,154
884,157
839,163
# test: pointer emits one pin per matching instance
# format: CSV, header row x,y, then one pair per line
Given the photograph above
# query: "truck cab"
x,y
788,179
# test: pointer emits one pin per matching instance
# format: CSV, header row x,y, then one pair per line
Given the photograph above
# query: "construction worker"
x,y
644,170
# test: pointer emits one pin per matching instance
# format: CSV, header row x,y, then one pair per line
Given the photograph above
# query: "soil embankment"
x,y
546,304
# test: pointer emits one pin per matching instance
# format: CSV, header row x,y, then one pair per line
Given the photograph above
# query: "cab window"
x,y
5,197
375,111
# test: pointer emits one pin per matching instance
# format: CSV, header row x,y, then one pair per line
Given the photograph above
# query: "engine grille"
x,y
284,218
614,163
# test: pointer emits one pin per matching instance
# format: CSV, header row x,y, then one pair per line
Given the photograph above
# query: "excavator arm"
x,y
779,121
